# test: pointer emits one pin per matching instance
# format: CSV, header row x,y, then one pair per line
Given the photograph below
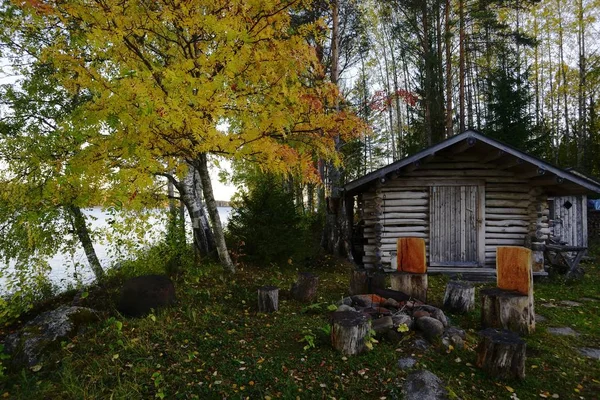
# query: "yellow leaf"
x,y
36,367
509,389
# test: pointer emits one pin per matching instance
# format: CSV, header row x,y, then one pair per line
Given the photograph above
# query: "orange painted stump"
x,y
513,268
411,255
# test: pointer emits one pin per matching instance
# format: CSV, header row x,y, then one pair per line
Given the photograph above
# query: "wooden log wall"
x,y
508,216
391,211
400,208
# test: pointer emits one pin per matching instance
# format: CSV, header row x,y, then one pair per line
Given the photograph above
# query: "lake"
x,y
67,268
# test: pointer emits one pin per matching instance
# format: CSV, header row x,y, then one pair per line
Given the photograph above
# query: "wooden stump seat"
x,y
348,331
268,299
501,354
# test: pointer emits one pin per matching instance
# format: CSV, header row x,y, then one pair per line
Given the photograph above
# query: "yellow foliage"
x,y
177,79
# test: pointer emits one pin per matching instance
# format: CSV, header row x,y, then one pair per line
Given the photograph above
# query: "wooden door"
x,y
454,226
570,219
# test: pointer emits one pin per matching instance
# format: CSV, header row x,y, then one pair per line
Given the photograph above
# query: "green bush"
x,y
266,226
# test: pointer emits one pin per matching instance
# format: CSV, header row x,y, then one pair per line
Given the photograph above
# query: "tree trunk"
x,y
201,164
448,43
461,66
504,309
348,331
459,297
81,230
191,195
305,288
268,299
414,285
501,354
359,282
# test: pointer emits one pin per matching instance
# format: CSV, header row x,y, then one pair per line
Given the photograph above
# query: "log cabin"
x,y
465,196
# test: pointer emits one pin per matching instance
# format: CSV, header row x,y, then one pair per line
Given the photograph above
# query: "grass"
x,y
214,345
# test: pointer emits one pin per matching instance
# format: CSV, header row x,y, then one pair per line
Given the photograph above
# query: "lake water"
x,y
68,269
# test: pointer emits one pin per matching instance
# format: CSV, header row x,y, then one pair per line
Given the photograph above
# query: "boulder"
x,y
382,325
367,300
424,385
434,312
431,327
344,307
391,303
141,294
346,300
28,345
421,313
406,363
401,318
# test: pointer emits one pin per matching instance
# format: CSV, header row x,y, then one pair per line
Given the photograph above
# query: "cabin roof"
x,y
554,180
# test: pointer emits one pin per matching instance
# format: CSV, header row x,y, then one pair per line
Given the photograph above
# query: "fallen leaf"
x,y
509,389
36,367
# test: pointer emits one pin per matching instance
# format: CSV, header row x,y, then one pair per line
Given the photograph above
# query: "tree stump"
x,y
506,309
348,331
268,299
359,282
501,354
305,288
414,285
459,297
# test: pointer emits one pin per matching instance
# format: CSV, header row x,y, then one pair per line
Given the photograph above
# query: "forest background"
x,y
127,113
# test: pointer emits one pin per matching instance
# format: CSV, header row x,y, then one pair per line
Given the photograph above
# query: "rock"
x,y
48,329
406,363
382,325
391,303
431,327
570,303
141,294
453,331
540,318
563,331
393,336
346,300
367,300
435,313
590,352
401,318
589,299
345,307
420,344
421,313
424,385
455,341
375,312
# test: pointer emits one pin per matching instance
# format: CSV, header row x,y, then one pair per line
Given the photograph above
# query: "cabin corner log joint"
x,y
465,197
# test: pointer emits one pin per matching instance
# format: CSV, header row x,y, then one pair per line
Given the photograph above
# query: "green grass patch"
x,y
214,345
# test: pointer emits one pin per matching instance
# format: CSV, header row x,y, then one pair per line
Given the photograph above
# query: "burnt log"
x,y
507,309
348,331
268,299
459,297
414,285
305,288
501,354
392,294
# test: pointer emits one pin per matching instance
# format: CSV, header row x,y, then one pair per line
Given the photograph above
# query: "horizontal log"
x,y
393,240
403,209
520,236
392,186
400,229
398,221
507,222
506,196
512,229
471,173
456,165
502,242
507,203
500,216
405,202
492,187
505,210
405,195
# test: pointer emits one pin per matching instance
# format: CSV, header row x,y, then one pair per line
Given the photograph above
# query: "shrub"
x,y
268,225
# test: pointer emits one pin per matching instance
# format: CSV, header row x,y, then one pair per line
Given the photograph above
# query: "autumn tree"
x,y
182,81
